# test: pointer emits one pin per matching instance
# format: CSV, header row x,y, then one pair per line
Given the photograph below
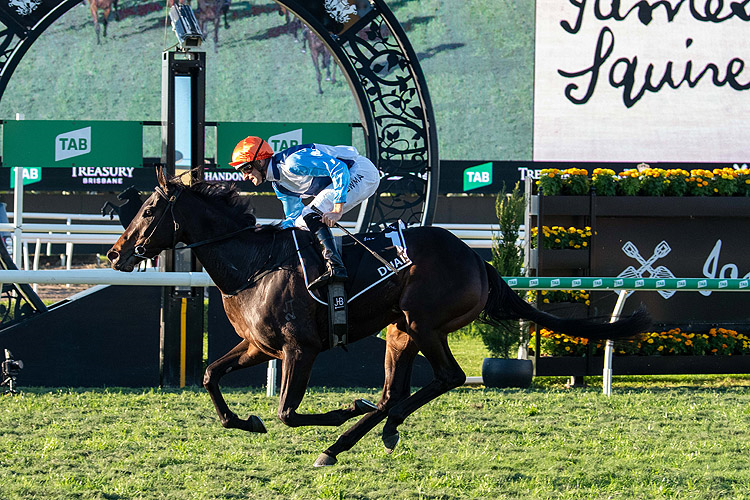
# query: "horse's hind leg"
x,y
400,352
242,356
225,12
448,375
296,368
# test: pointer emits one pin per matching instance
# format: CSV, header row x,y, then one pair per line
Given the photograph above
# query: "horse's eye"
x,y
147,213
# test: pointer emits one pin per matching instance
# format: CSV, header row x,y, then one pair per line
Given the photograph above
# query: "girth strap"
x,y
338,321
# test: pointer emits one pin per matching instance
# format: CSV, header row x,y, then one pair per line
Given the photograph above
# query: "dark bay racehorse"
x,y
265,299
212,11
106,7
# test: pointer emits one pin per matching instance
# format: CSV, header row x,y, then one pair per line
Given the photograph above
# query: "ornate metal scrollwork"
x,y
25,21
384,73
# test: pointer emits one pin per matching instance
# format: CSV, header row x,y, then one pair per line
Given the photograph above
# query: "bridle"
x,y
140,249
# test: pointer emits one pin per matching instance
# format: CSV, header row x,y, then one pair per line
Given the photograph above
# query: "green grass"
x,y
643,442
477,58
469,351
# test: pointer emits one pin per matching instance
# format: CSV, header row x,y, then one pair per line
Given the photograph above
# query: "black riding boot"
x,y
336,269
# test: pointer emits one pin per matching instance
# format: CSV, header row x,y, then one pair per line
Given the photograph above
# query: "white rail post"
x,y
18,218
271,376
18,209
37,250
26,256
609,346
68,251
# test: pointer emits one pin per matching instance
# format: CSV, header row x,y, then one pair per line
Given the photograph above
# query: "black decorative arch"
x,y
382,70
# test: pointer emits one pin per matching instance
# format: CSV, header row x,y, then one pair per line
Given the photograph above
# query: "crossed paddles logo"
x,y
646,268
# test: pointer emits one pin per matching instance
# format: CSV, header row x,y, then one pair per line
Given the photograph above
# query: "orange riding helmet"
x,y
250,149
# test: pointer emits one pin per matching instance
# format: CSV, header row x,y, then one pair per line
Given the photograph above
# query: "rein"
x,y
216,238
141,250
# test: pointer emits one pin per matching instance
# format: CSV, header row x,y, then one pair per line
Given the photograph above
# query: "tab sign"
x,y
73,143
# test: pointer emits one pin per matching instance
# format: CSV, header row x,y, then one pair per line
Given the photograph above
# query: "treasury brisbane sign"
x,y
83,145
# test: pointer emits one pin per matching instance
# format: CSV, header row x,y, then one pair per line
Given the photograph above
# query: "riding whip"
x,y
377,256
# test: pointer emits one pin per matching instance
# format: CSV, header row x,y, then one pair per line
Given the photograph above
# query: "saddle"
x,y
366,272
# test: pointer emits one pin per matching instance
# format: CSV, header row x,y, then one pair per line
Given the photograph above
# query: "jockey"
x,y
337,177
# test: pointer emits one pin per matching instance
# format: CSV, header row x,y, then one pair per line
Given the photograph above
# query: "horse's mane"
x,y
224,195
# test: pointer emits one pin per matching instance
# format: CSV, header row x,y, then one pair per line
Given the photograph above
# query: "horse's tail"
x,y
504,304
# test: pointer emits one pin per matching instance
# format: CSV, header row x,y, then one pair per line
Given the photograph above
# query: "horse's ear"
x,y
161,177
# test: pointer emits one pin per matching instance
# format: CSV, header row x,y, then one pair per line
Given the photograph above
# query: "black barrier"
x,y
654,237
106,338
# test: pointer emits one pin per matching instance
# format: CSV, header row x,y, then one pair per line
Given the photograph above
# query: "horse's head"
x,y
152,230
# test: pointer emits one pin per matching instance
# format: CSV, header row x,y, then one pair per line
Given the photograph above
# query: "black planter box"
x,y
653,237
670,206
642,365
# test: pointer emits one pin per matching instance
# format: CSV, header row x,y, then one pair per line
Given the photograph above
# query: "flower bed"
x,y
717,341
555,296
561,238
646,181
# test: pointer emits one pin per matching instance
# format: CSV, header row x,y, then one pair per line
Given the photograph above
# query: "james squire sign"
x,y
641,80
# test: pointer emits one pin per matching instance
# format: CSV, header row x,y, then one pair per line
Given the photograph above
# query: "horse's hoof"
x,y
390,442
325,461
364,406
256,425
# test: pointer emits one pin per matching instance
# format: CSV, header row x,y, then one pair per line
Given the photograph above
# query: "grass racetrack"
x,y
654,438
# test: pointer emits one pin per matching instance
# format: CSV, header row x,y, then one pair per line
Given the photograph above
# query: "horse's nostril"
x,y
112,255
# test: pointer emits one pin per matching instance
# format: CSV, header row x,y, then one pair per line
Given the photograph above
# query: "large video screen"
x,y
509,80
639,81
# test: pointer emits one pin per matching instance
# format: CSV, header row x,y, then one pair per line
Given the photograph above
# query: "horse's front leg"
x,y
242,356
216,33
296,367
400,351
95,15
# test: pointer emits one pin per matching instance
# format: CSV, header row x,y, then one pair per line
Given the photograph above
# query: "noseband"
x,y
140,250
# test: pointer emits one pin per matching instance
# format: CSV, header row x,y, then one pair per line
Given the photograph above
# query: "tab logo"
x,y
478,176
280,142
73,143
30,175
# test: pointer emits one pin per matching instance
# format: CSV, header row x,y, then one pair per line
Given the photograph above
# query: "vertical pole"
x,y
37,250
183,120
18,217
609,346
271,376
18,210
